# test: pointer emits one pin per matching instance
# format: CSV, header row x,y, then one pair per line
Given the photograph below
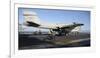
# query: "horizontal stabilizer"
x,y
32,24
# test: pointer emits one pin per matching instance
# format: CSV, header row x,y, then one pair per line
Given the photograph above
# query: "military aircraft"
x,y
32,20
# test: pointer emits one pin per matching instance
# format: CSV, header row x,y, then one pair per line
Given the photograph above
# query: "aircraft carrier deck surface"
x,y
32,41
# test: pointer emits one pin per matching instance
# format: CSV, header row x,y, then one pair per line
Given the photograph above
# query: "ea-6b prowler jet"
x,y
31,19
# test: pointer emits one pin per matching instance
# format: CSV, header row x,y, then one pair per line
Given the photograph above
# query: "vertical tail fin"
x,y
31,16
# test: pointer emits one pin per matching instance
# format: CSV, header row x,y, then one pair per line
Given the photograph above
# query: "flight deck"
x,y
43,41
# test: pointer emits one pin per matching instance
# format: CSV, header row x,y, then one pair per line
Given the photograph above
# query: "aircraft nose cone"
x,y
81,24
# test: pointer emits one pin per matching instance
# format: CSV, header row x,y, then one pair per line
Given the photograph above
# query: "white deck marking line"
x,y
80,40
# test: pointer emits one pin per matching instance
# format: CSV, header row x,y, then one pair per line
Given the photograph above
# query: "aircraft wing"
x,y
32,24
71,26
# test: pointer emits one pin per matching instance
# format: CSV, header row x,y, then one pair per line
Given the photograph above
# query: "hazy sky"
x,y
54,16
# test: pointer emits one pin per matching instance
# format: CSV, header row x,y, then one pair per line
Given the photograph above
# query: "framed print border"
x,y
14,32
